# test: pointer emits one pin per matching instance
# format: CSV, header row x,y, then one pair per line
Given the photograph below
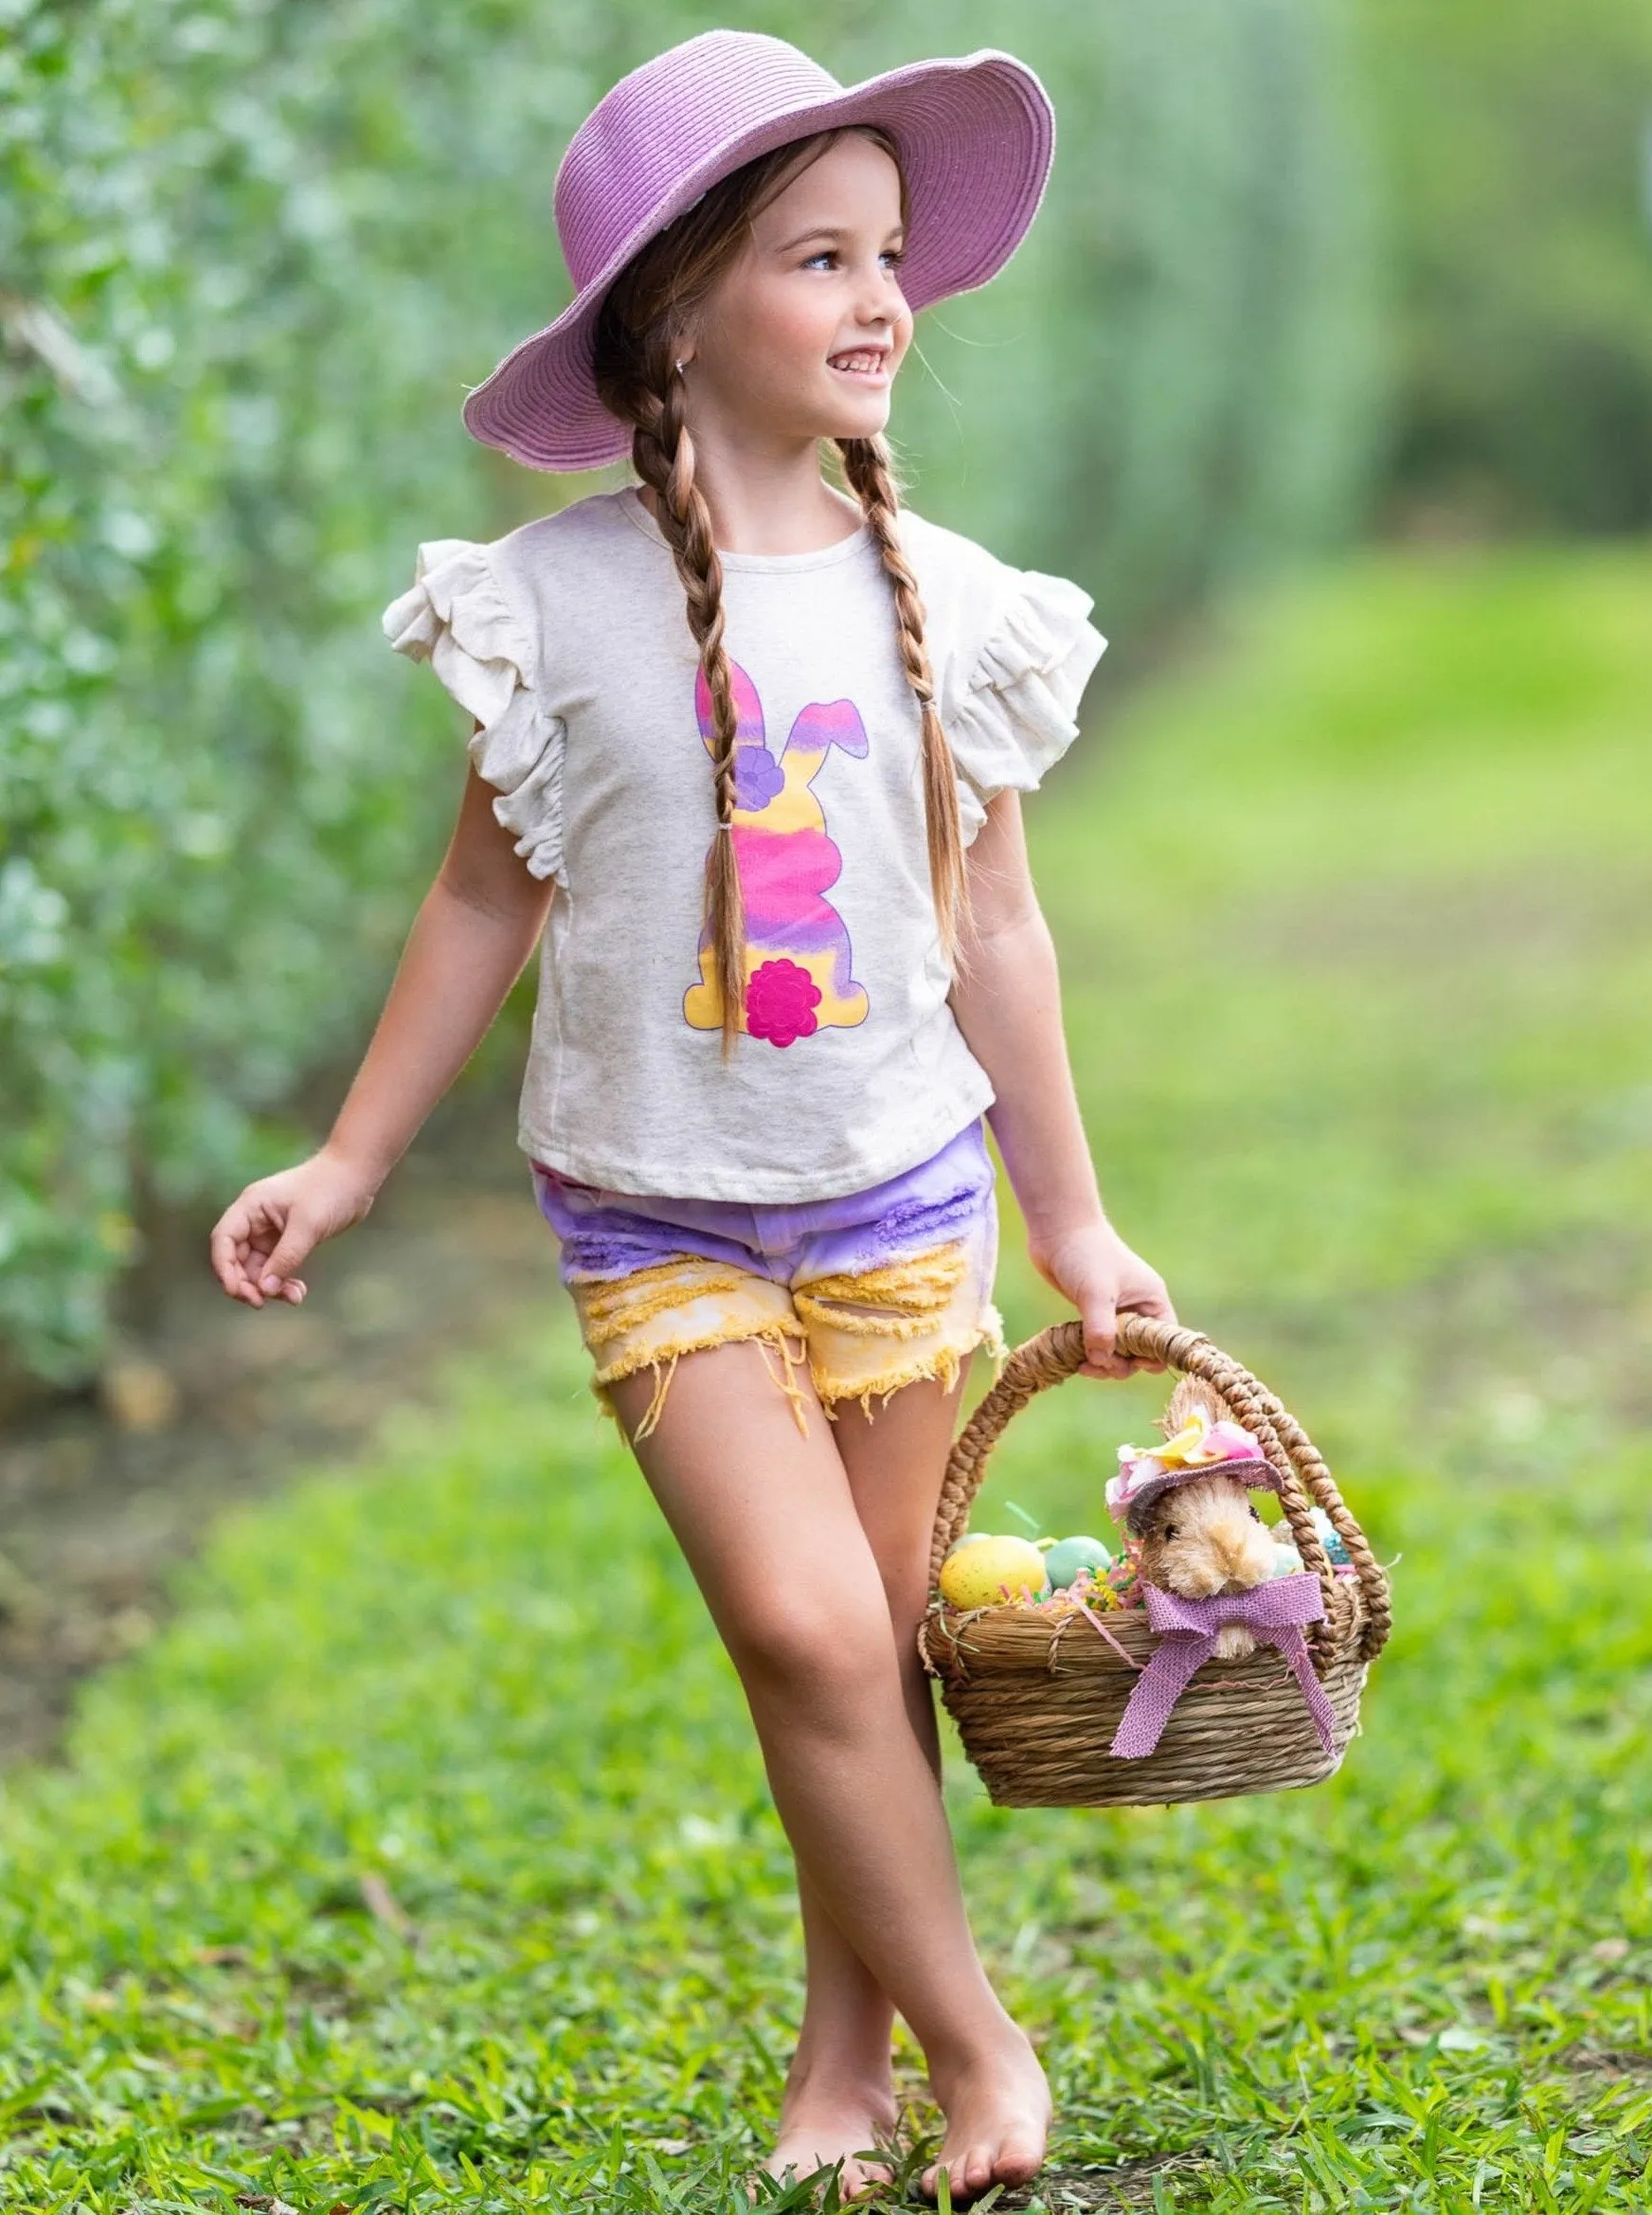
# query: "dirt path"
x,y
213,1402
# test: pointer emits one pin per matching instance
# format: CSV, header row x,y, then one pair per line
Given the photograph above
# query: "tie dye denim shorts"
x,y
872,1291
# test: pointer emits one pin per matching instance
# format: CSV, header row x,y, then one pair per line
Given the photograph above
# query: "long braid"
x,y
871,477
663,454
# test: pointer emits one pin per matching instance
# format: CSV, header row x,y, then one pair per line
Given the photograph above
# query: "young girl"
x,y
748,750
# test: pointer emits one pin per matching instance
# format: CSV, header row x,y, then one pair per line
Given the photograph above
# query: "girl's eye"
x,y
890,254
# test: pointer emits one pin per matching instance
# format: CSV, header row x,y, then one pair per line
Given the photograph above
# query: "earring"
x,y
681,366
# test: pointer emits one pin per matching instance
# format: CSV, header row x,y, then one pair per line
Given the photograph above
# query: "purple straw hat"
x,y
977,138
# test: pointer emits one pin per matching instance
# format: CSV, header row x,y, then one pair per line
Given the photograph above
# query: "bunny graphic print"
x,y
568,644
798,961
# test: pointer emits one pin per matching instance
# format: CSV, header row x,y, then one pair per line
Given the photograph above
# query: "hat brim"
x,y
1259,1476
977,136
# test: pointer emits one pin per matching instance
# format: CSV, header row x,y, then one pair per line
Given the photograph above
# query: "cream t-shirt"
x,y
569,642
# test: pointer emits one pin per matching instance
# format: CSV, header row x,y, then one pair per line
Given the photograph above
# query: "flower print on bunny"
x,y
798,961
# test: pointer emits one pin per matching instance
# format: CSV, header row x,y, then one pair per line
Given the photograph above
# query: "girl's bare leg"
x,y
840,2089
895,1462
770,1528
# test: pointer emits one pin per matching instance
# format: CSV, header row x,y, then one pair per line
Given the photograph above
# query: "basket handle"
x,y
1303,1478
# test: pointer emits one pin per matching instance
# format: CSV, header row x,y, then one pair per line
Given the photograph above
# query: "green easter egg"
x,y
1065,1559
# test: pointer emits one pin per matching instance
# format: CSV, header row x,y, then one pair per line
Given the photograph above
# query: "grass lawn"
x,y
422,1859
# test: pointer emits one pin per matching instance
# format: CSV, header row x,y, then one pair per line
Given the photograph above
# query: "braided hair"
x,y
639,379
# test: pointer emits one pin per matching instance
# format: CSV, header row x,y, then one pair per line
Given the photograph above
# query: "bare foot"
x,y
997,2117
824,2122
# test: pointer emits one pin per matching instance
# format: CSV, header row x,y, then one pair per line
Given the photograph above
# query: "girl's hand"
x,y
1099,1274
261,1238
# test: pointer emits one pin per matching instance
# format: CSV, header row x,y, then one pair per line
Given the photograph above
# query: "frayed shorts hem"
x,y
941,1364
860,1338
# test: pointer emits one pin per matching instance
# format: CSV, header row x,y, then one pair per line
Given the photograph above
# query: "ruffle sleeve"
x,y
455,617
1015,715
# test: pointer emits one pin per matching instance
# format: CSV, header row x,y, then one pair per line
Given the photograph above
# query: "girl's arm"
x,y
1008,1005
472,938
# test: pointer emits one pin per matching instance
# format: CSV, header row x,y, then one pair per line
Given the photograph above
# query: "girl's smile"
x,y
870,365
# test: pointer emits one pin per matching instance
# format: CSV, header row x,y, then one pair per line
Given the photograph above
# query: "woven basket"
x,y
1036,1697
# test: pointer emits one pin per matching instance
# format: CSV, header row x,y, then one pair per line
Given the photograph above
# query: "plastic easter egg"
x,y
1328,1534
1286,1560
970,1537
1068,1555
972,1576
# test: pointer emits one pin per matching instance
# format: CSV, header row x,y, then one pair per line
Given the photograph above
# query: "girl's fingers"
x,y
298,1241
1155,1305
293,1290
228,1253
1100,1325
242,1242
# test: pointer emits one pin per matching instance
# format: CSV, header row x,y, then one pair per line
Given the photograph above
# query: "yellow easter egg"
x,y
973,1576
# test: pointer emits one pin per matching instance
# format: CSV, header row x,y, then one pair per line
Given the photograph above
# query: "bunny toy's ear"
x,y
1193,1397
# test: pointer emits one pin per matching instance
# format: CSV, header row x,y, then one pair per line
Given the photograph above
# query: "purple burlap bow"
x,y
1273,1613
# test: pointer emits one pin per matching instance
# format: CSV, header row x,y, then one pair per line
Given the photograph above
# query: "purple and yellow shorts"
x,y
872,1291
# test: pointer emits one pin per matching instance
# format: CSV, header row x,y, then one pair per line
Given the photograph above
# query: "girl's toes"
x,y
859,2179
1019,2160
967,2175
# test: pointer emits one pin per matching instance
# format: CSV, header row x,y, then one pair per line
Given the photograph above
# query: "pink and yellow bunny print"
x,y
798,961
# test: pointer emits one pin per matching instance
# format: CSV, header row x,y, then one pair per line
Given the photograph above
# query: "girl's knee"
x,y
818,1649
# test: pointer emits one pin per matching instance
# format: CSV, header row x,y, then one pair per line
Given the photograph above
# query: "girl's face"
x,y
804,333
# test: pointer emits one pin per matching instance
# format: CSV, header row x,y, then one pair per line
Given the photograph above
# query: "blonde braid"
x,y
867,467
662,452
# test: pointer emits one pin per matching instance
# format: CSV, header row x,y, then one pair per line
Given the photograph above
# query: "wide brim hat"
x,y
1139,1484
977,137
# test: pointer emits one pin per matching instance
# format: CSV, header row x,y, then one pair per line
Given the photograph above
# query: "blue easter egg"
x,y
1328,1534
1068,1555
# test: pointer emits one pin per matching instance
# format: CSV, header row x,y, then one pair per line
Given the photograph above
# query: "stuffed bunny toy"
x,y
1188,1504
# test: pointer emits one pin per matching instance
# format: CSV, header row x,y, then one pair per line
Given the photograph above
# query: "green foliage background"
x,y
224,384
1515,141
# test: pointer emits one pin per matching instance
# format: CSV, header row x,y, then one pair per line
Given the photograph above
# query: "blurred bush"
x,y
1515,140
229,386
1175,385
251,252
